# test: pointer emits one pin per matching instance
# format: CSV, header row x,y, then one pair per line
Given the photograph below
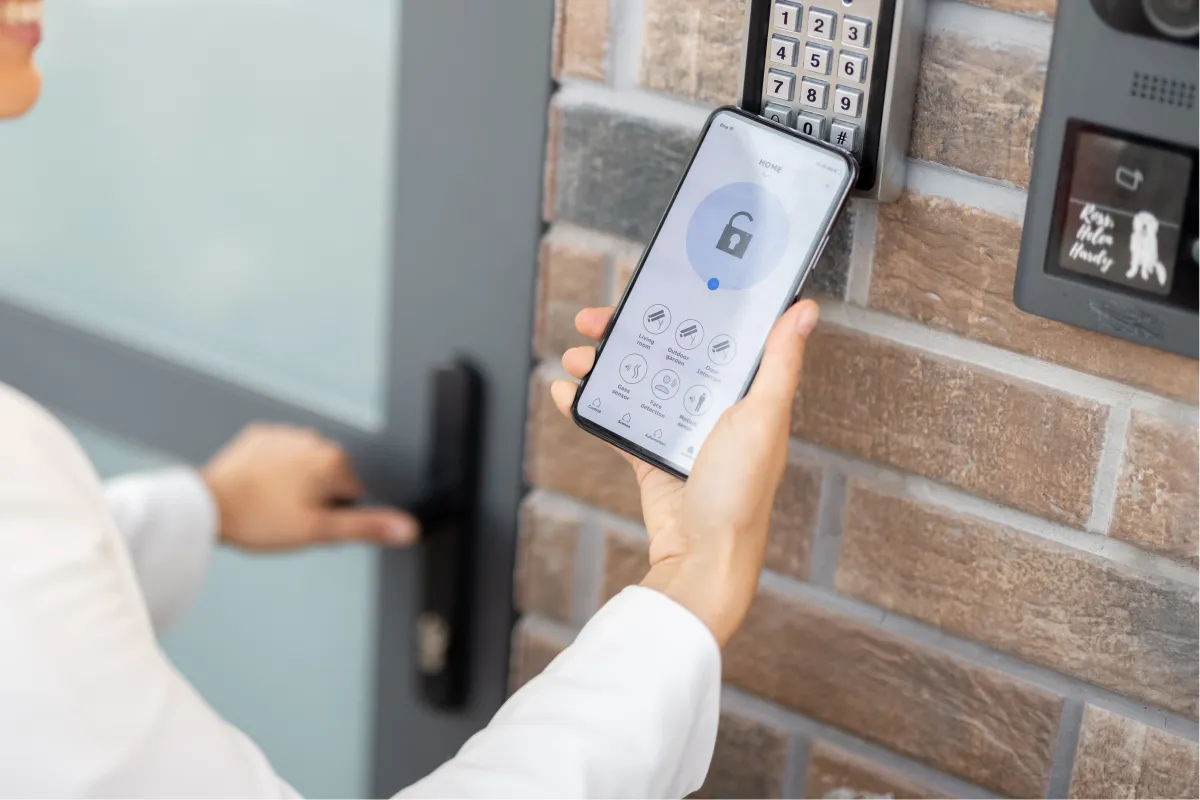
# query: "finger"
x,y
380,525
563,393
341,480
779,373
579,360
591,322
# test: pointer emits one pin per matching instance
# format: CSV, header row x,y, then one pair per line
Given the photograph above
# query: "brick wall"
x,y
982,574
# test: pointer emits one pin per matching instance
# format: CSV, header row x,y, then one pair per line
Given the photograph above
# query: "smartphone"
x,y
743,230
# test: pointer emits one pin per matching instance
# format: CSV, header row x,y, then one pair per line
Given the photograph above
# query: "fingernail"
x,y
809,314
402,532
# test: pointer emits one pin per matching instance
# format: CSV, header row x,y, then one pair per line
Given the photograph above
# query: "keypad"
x,y
818,58
781,85
852,67
845,135
778,113
847,102
822,24
814,93
811,124
856,32
817,78
788,16
783,51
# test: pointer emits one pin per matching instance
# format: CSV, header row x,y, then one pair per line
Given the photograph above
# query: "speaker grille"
x,y
1159,89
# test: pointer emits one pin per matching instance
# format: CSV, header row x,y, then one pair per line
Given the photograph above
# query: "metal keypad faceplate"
x,y
827,49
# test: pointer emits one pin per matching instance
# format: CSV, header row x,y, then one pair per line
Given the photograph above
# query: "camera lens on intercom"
x,y
1179,19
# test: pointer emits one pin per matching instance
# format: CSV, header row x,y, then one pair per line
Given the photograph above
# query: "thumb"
x,y
779,373
379,525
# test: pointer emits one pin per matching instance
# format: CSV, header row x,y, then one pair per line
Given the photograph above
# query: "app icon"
x,y
689,334
737,236
665,384
722,349
698,400
656,319
735,240
633,368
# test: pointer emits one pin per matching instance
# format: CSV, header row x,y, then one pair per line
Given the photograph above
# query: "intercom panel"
x,y
1110,234
843,71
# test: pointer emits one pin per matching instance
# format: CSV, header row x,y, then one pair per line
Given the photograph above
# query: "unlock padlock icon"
x,y
735,240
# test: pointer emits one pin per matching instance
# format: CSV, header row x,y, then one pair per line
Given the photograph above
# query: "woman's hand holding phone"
x,y
708,536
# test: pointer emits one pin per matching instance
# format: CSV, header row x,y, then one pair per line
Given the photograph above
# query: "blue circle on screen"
x,y
768,236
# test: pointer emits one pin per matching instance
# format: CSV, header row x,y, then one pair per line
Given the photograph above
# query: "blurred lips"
x,y
21,22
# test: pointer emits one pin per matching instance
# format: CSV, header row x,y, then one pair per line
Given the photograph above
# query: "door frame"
x,y
469,149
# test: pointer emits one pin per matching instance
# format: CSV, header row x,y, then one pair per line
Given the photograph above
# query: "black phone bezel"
x,y
626,445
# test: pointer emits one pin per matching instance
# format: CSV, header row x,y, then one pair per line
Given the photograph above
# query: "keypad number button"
x,y
788,16
814,93
783,51
821,24
777,113
847,102
818,58
856,32
781,85
811,125
852,67
845,135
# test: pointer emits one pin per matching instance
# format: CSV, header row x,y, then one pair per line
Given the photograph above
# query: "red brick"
x,y
694,49
978,105
1118,757
952,267
793,521
532,652
562,458
750,759
626,561
550,173
834,773
959,717
546,549
1034,8
572,277
996,436
581,39
1043,602
1157,497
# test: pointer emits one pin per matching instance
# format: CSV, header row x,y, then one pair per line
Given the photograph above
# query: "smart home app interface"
x,y
746,221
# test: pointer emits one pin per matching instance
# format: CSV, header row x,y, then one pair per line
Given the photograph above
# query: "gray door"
x,y
236,210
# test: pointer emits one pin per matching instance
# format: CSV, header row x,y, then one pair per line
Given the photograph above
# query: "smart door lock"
x,y
843,71
448,511
1110,236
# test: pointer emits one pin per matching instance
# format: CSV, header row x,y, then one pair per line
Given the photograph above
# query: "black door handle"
x,y
449,515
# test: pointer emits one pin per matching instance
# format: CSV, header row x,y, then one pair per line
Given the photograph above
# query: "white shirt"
x,y
90,705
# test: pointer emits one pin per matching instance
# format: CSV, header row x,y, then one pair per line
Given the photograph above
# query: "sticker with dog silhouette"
x,y
1124,215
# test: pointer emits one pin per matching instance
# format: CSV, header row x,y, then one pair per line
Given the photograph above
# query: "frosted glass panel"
x,y
209,180
282,646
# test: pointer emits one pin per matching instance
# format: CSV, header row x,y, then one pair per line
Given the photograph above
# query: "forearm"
x,y
169,522
629,710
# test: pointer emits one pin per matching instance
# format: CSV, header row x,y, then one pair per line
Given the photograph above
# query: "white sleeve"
x,y
169,522
90,705
629,710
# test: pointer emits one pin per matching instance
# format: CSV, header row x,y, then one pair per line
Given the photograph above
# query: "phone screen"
x,y
728,259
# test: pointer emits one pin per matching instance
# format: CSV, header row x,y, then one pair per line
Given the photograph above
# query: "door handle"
x,y
449,515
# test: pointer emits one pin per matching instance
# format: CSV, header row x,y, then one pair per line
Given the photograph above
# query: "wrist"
x,y
716,596
220,500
